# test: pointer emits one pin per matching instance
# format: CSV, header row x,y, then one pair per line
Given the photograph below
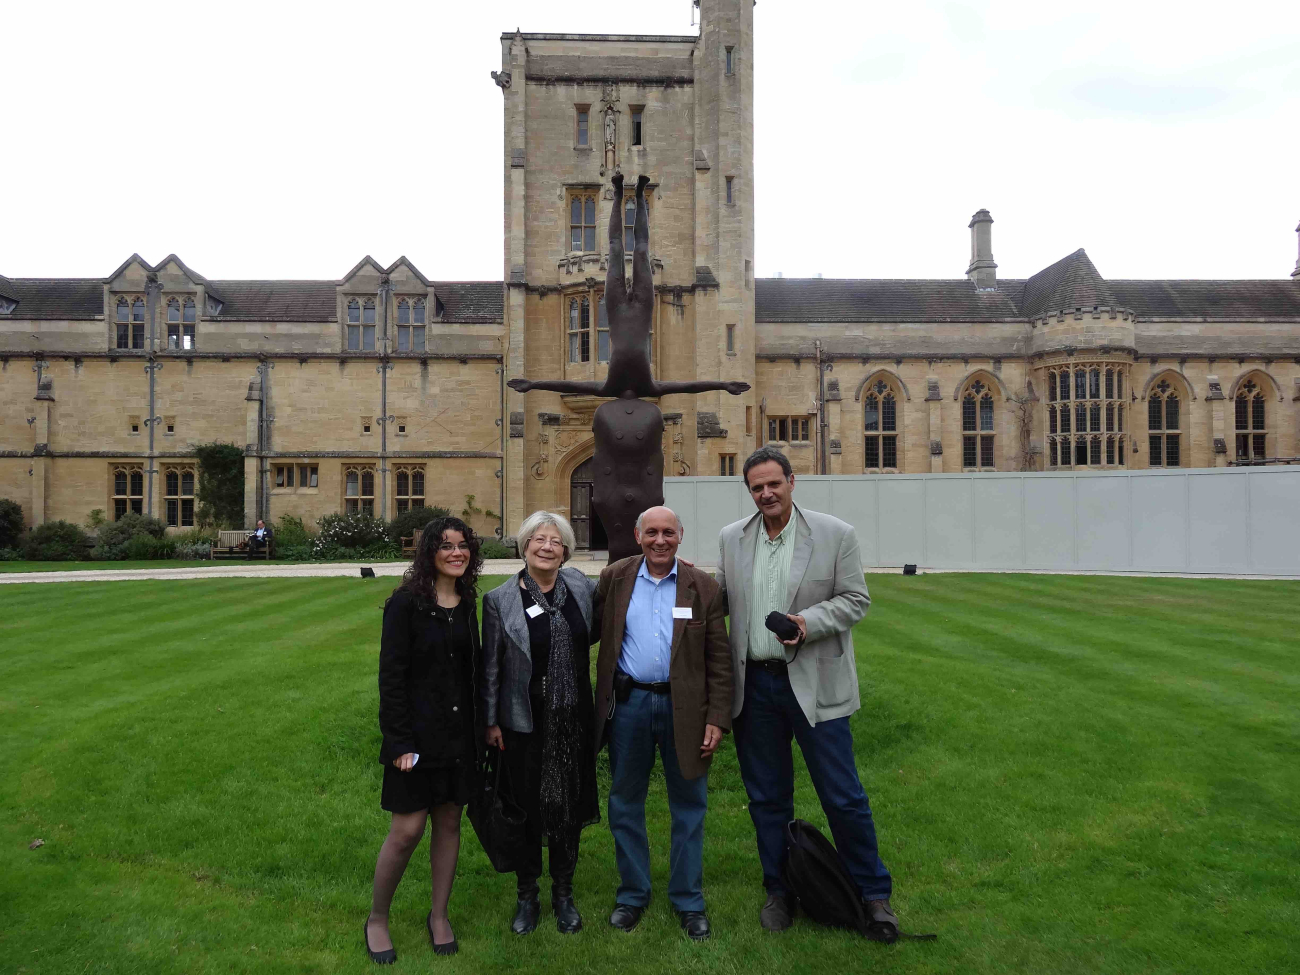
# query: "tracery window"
x,y
880,422
1164,419
977,445
130,323
180,324
582,221
359,489
128,490
629,219
410,488
1085,415
580,329
410,325
179,496
1252,426
361,325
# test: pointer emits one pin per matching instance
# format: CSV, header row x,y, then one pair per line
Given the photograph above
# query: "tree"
x,y
221,485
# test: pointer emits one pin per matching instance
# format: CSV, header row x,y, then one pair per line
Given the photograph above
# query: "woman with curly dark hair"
x,y
428,658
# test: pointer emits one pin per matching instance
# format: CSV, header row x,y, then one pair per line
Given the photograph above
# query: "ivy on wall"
x,y
221,485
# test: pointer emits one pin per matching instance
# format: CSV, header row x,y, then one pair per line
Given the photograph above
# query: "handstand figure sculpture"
x,y
629,458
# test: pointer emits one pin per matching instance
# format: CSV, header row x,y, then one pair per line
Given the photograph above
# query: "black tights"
x,y
403,837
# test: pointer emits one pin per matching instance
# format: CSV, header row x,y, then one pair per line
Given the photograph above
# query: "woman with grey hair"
x,y
536,695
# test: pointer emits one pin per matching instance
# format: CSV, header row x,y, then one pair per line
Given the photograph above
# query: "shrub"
x,y
145,547
111,542
290,532
352,530
194,536
56,541
293,553
10,555
95,519
11,523
221,485
407,523
193,550
493,549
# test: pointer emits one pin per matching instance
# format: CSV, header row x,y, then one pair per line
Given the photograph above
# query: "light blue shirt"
x,y
648,633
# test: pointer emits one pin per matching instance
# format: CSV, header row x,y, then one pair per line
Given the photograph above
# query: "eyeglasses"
x,y
541,541
448,547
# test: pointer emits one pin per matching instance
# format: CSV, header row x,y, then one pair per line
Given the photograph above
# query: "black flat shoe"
x,y
695,924
449,948
378,957
626,916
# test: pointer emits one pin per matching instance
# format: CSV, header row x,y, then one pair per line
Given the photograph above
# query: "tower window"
x,y
583,118
729,62
731,338
729,187
636,127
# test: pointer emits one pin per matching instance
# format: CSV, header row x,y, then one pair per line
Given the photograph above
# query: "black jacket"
x,y
420,699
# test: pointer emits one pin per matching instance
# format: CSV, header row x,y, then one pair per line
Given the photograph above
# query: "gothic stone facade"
x,y
384,387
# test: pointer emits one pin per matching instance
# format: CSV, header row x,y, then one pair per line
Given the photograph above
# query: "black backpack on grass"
x,y
814,874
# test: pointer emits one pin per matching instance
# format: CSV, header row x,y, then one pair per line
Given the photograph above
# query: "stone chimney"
x,y
1296,273
983,269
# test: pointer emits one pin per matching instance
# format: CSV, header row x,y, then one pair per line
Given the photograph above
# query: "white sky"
x,y
277,140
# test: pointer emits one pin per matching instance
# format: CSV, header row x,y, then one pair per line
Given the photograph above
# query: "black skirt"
x,y
424,788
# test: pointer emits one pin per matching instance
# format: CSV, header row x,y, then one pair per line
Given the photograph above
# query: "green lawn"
x,y
1069,774
22,566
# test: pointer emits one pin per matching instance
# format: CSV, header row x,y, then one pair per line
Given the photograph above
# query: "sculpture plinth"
x,y
629,458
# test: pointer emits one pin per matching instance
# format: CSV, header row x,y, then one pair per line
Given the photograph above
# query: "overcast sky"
x,y
275,140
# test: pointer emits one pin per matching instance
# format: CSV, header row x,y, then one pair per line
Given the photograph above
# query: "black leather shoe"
x,y
626,916
447,947
526,913
378,957
776,913
567,918
695,924
882,922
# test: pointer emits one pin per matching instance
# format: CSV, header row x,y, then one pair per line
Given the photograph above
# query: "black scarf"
x,y
561,762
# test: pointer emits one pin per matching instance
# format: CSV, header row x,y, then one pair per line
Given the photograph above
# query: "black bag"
x,y
497,819
814,874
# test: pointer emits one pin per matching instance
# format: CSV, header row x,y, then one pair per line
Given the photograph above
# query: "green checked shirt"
x,y
772,558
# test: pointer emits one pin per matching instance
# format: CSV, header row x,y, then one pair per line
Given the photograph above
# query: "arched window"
x,y
881,423
579,330
582,222
123,324
1085,400
361,326
417,312
410,488
1252,426
368,312
410,337
173,310
179,497
629,223
137,310
128,491
403,312
977,445
354,312
191,313
359,489
1164,426
123,310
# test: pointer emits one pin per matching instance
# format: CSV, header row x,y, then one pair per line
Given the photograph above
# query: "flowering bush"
x,y
352,530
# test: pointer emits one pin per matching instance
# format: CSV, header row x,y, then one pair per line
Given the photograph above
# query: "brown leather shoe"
x,y
882,922
775,914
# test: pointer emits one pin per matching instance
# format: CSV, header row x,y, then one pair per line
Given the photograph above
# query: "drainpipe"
x,y
151,289
384,365
821,410
501,469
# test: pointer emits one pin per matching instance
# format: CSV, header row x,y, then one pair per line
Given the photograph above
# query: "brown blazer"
x,y
699,671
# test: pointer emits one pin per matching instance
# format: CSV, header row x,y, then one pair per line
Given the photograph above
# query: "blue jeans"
x,y
638,726
770,715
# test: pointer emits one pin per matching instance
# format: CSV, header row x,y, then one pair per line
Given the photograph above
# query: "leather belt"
x,y
655,687
775,667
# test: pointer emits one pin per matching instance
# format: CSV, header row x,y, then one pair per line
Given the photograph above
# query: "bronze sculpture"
x,y
629,458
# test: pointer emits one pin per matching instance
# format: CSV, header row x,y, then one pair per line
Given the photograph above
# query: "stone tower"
x,y
577,108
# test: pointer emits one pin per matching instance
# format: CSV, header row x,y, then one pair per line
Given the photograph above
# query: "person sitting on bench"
x,y
259,540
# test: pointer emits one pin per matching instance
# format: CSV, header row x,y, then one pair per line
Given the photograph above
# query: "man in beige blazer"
x,y
805,565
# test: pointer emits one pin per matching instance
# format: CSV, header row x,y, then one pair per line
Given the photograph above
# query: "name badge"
x,y
534,611
682,613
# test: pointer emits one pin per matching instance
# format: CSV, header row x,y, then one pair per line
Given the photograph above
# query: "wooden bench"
x,y
234,545
414,541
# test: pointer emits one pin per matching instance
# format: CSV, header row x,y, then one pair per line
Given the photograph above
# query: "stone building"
x,y
383,388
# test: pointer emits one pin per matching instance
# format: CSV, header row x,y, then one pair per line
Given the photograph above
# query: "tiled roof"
x,y
566,67
280,301
1233,300
69,299
471,302
878,300
1070,283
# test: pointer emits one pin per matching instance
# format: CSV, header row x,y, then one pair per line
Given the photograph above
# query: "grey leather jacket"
x,y
507,660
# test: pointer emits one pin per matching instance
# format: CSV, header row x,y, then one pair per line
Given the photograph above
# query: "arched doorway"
x,y
587,528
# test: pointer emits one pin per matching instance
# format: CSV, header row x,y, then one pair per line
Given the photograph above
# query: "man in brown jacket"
x,y
663,679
